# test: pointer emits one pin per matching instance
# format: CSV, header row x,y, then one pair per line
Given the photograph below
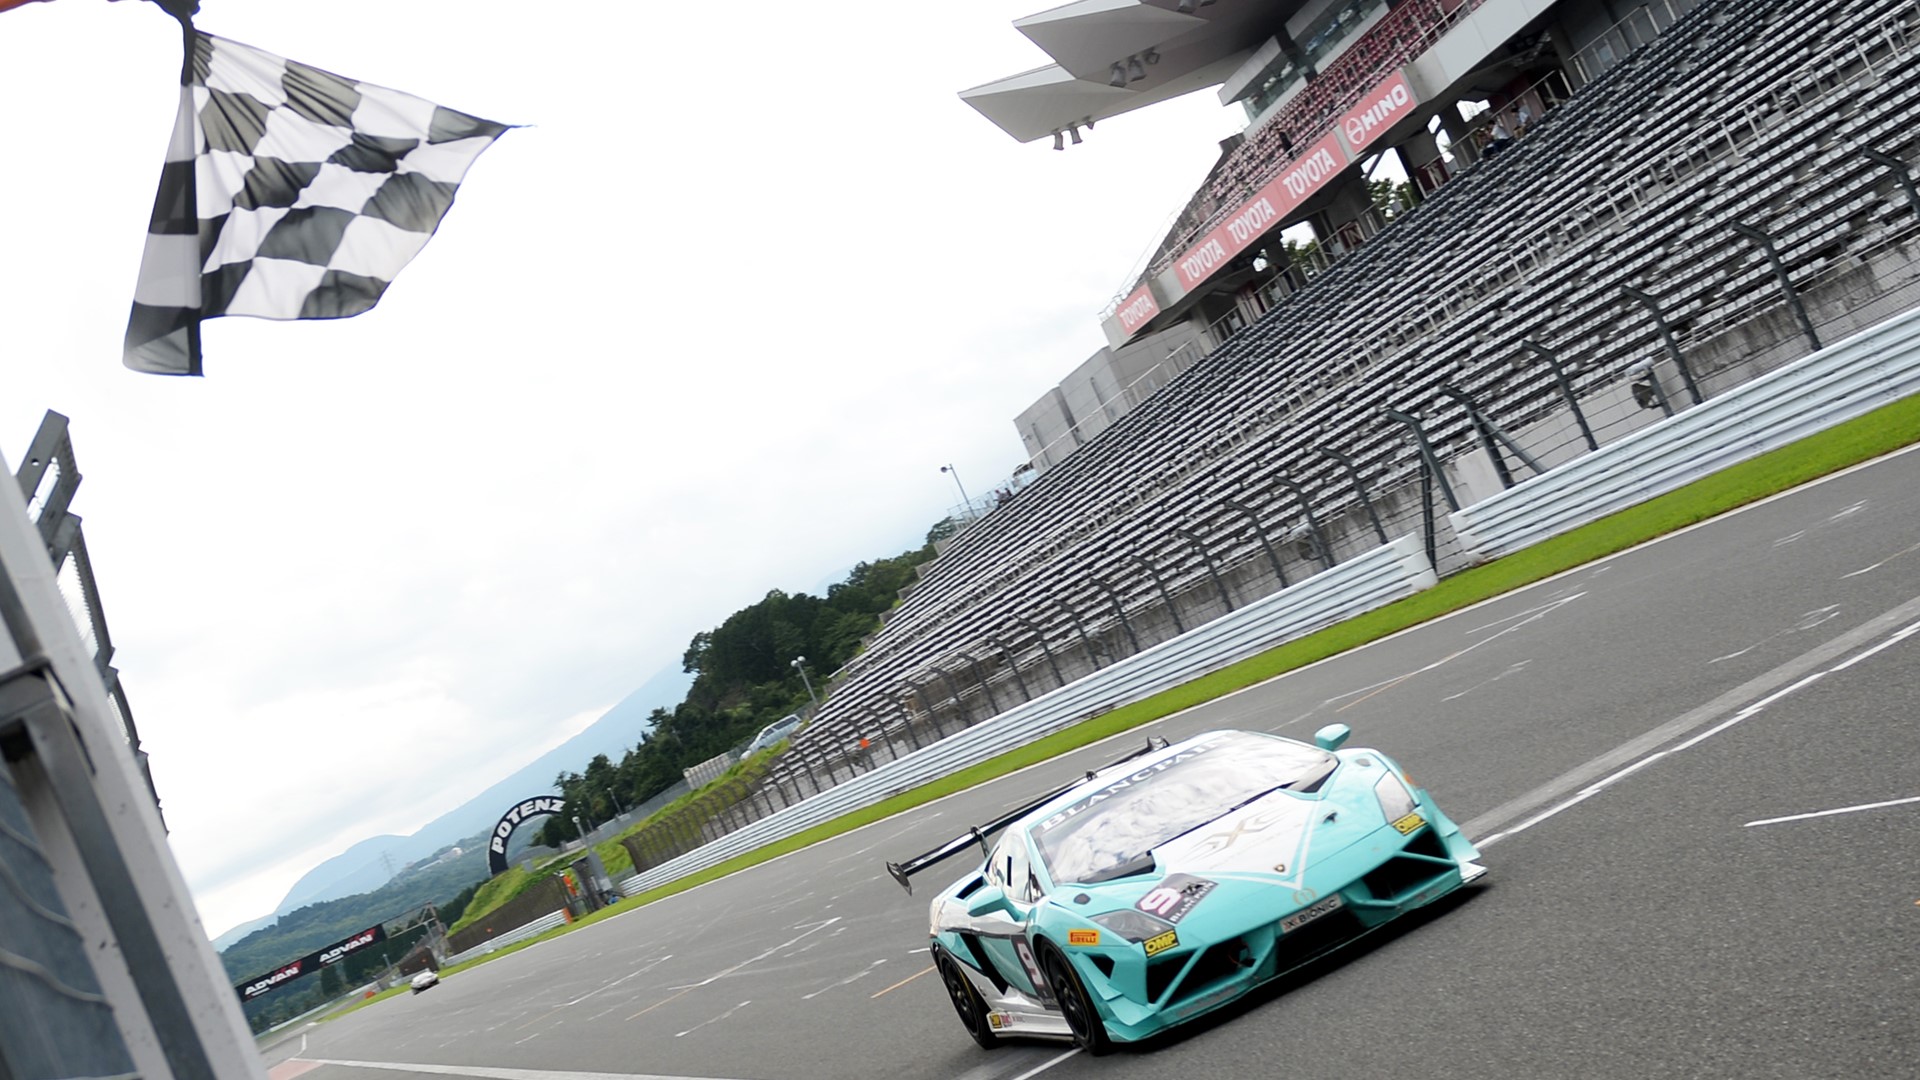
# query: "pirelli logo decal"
x,y
1083,937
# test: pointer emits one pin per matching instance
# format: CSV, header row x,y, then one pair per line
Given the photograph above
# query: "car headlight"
x,y
1395,800
1132,924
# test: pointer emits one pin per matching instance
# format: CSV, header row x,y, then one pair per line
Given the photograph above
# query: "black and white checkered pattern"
x,y
288,193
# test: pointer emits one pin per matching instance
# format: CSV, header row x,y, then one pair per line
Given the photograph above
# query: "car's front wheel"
x,y
1075,1003
966,999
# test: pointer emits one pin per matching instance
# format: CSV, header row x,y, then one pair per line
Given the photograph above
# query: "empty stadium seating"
x,y
1744,112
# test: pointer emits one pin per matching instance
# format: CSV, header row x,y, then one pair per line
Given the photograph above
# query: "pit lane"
x,y
1643,928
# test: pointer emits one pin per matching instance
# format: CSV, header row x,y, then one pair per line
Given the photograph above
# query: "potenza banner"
x,y
249,989
525,810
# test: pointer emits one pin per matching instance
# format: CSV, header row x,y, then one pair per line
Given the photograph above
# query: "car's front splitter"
x,y
1229,958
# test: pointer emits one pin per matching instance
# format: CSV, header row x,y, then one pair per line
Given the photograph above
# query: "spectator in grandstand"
x,y
1499,137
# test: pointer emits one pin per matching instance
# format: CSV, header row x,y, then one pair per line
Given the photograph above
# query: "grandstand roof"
x,y
1150,47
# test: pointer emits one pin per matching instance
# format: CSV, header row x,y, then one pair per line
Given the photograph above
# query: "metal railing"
x,y
1388,573
529,930
1870,369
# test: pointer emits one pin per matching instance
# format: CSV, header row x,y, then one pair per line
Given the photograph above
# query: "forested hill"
x,y
744,679
447,884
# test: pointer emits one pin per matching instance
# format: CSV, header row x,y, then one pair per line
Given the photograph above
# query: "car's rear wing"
x,y
978,834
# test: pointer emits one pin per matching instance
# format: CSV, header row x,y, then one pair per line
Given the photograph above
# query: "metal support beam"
x,y
1166,597
1086,642
1560,379
906,713
1313,523
1120,610
1652,305
1359,489
1213,571
1656,393
1772,253
1035,630
1260,531
1426,453
1492,436
1902,174
1013,664
973,665
952,693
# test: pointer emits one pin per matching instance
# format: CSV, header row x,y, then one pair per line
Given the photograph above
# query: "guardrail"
x,y
1385,574
1870,369
538,926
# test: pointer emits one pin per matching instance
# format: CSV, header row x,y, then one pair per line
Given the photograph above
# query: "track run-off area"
x,y
1694,769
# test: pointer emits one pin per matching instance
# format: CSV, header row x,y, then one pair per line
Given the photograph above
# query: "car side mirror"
x,y
989,900
1332,737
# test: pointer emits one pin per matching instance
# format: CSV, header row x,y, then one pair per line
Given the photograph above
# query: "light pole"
x,y
800,665
621,810
955,473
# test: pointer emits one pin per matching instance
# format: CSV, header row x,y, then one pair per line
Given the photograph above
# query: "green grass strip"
x,y
1879,432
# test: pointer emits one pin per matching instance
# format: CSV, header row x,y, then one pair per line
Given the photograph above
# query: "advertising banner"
x,y
509,821
251,988
1383,107
1307,174
1138,309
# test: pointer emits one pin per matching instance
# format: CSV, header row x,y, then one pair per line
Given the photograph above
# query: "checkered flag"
x,y
288,193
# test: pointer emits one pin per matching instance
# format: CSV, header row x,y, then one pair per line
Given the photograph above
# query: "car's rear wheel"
x,y
1075,1003
966,999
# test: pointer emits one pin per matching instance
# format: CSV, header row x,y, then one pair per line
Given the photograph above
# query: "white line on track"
x,y
1530,802
489,1072
715,1020
1515,623
618,981
1044,1066
856,977
811,929
1748,712
1883,562
1830,813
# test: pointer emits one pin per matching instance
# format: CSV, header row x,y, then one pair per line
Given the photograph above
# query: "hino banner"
x,y
248,989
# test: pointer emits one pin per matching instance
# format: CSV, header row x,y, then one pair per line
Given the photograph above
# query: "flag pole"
x,y
184,11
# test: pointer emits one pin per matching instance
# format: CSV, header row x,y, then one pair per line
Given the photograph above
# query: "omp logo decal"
x,y
1407,824
1160,943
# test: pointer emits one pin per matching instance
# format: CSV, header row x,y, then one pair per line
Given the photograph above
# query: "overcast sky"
x,y
709,326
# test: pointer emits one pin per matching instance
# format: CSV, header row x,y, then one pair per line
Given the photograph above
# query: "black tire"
x,y
966,999
1089,1031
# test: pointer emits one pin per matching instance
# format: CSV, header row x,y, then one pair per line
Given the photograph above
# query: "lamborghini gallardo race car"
x,y
1179,878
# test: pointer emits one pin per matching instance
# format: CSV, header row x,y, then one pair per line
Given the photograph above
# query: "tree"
x,y
696,651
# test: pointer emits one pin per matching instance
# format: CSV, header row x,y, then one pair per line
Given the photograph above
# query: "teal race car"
x,y
1179,878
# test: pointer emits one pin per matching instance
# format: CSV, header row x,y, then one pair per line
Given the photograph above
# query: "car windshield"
x,y
1116,826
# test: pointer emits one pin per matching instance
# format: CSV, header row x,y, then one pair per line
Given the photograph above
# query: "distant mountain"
x,y
364,867
220,943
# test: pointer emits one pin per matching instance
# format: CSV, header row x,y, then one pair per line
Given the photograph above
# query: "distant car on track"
x,y
425,979
1179,878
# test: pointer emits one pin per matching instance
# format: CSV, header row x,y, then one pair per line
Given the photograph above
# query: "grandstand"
x,y
1508,290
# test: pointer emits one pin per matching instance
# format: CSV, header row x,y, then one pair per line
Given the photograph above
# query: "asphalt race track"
x,y
1622,739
